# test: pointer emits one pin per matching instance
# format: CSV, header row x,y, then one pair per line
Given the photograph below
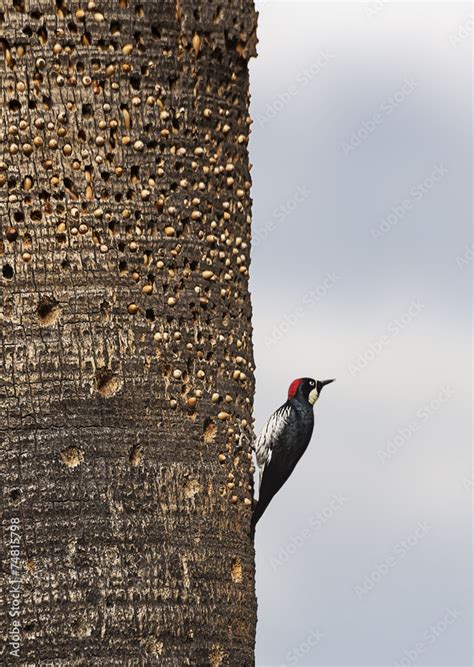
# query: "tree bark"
x,y
127,377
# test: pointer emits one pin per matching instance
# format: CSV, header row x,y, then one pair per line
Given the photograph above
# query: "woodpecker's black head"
x,y
306,389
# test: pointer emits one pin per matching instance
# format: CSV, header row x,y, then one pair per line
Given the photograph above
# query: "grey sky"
x,y
361,270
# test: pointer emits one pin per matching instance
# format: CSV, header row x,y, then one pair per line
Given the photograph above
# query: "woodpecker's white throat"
x,y
313,396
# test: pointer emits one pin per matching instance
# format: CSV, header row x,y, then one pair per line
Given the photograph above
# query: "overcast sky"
x,y
361,270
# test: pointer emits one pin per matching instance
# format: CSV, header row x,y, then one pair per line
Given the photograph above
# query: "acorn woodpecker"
x,y
284,439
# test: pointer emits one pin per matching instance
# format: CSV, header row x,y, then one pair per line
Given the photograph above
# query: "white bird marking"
x,y
269,435
313,396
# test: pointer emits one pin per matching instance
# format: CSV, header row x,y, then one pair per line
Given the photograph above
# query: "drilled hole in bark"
x,y
115,28
48,312
15,495
236,571
7,271
136,455
11,234
72,457
209,430
217,656
14,105
192,488
60,4
29,629
107,383
217,15
42,35
135,80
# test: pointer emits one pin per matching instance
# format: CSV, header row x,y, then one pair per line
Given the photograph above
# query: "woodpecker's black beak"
x,y
322,383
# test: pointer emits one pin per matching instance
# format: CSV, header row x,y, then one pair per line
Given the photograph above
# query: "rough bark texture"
x,y
127,372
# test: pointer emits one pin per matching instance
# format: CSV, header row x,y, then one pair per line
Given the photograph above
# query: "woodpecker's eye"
x,y
311,383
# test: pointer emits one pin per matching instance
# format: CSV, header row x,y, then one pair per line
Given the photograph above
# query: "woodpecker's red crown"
x,y
293,388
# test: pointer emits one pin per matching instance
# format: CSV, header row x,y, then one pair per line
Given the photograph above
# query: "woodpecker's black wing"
x,y
270,434
279,447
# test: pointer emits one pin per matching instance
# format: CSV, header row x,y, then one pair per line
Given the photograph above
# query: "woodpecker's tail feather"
x,y
259,509
253,523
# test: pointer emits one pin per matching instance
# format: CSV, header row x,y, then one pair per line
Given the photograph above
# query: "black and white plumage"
x,y
284,439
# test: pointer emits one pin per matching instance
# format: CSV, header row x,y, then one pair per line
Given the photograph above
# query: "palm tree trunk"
x,y
126,332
